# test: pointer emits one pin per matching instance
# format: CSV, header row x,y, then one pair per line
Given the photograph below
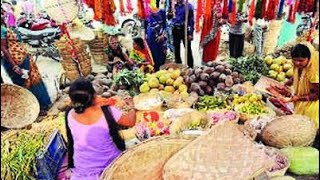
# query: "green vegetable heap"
x,y
211,103
253,109
252,68
18,155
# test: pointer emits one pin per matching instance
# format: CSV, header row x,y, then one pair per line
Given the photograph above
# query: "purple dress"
x,y
94,149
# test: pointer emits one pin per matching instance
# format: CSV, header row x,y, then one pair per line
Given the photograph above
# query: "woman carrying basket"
x,y
21,68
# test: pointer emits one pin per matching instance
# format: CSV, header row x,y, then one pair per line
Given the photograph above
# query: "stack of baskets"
x,y
271,37
97,48
70,67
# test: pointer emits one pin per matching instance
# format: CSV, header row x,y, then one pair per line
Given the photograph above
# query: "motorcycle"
x,y
40,36
132,26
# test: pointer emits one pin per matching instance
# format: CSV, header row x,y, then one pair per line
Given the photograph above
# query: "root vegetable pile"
x,y
216,76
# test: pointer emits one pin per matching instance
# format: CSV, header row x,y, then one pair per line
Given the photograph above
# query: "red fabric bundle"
x,y
199,15
234,13
306,6
272,9
129,6
251,12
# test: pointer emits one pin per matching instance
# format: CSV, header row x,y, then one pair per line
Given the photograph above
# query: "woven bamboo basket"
x,y
101,59
70,67
19,107
223,153
148,101
146,160
61,10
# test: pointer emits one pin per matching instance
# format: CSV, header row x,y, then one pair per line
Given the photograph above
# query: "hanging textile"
x,y
129,6
264,8
272,8
210,36
122,9
199,15
241,4
103,10
225,9
305,6
230,6
141,11
147,7
258,10
233,15
251,12
109,8
281,7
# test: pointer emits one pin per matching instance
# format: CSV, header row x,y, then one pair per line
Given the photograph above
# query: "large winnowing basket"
x,y
19,107
146,160
223,153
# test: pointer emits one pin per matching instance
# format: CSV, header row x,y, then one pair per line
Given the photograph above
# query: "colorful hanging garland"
x,y
141,11
258,10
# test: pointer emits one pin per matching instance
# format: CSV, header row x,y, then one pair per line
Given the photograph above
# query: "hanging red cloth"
x,y
264,7
129,6
122,9
251,12
210,36
272,9
233,15
109,8
305,6
225,9
199,15
89,3
141,12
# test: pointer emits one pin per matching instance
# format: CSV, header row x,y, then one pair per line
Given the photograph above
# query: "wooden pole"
x,y
186,33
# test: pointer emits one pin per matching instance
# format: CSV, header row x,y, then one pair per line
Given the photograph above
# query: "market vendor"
x,y
21,68
141,55
117,55
305,81
92,131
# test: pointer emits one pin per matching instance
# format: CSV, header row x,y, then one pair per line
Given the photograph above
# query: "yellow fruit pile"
x,y
280,68
251,98
164,80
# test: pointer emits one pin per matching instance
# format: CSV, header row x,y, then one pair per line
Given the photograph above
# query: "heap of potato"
x,y
164,80
216,75
280,69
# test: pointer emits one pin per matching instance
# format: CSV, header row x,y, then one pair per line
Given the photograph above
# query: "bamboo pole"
x,y
186,33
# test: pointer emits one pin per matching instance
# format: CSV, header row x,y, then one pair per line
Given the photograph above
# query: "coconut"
x,y
291,130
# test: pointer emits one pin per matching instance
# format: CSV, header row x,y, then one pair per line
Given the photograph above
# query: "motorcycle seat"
x,y
40,33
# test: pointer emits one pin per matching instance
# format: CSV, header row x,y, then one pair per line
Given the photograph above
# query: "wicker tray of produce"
x,y
146,160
